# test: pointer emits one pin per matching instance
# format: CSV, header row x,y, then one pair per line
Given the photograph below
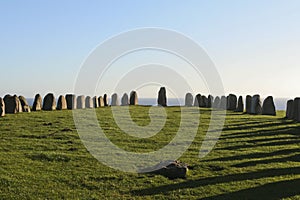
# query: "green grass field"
x,y
42,157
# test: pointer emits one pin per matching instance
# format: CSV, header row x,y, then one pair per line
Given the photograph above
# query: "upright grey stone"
x,y
95,102
296,109
162,97
133,98
231,102
210,100
105,100
197,100
223,103
49,102
88,102
100,101
114,100
240,106
268,107
125,100
203,101
81,102
256,105
188,99
61,103
2,107
37,104
289,109
71,101
24,104
12,104
248,104
217,102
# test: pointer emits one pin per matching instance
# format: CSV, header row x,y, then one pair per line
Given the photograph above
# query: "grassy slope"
x,y
41,156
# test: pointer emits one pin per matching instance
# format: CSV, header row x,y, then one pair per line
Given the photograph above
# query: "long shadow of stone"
x,y
223,179
277,190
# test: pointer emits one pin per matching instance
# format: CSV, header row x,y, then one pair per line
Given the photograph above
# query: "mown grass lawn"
x,y
42,157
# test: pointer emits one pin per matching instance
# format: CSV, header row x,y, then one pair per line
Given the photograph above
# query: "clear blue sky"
x,y
254,44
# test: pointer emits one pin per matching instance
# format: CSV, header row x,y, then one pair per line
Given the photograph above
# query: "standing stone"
x,y
95,102
289,109
197,100
248,104
114,100
61,103
231,102
133,98
49,102
71,101
12,104
255,105
2,107
37,104
217,102
162,97
100,101
223,103
203,101
125,100
210,101
240,106
105,99
81,102
188,99
296,109
88,102
24,104
268,107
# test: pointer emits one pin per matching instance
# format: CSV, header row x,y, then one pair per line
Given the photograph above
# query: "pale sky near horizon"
x,y
255,45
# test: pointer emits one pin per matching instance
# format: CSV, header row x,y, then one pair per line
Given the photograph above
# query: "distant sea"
x,y
280,103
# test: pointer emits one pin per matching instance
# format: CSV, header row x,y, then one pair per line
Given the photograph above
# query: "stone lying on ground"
x,y
255,105
133,98
61,103
231,102
95,102
188,99
216,103
268,107
248,104
71,101
105,100
240,105
223,103
124,100
24,104
88,102
2,107
49,102
296,109
114,100
81,102
12,104
197,100
171,169
100,101
289,109
210,101
37,103
162,97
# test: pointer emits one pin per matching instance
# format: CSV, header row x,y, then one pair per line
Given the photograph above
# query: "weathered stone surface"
x,y
296,109
114,100
12,104
217,102
100,101
268,107
203,101
61,103
188,99
81,102
133,98
2,107
95,102
162,97
24,104
289,109
71,101
105,100
197,100
248,104
223,103
240,106
255,105
37,104
125,100
210,100
49,102
88,102
231,102
171,169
